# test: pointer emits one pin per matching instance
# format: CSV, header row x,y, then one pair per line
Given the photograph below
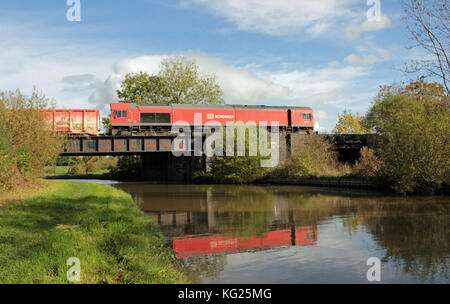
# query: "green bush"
x,y
6,162
77,169
90,164
415,140
312,157
128,167
27,144
237,169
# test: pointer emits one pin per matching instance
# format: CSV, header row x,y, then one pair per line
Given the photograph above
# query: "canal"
x,y
292,234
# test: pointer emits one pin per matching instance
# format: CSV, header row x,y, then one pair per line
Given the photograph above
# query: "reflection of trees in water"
x,y
243,211
312,209
203,266
414,234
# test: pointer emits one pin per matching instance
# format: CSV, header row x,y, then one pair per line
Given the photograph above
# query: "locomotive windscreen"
x,y
155,118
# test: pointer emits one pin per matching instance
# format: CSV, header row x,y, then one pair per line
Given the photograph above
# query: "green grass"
x,y
114,240
64,171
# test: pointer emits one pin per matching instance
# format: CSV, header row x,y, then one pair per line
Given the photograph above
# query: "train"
x,y
129,119
74,121
133,119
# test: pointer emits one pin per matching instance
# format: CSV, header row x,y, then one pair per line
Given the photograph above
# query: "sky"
x,y
325,54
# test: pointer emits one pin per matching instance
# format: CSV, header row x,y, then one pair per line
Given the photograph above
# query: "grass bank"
x,y
101,226
62,172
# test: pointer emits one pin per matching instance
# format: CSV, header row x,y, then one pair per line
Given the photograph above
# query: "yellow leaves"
x,y
349,123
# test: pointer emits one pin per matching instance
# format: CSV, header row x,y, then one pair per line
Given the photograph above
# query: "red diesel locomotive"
x,y
132,119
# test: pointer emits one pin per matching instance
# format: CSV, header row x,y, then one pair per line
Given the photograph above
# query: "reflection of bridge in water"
x,y
198,224
176,225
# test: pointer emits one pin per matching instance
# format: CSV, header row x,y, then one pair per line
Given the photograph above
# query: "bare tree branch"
x,y
427,21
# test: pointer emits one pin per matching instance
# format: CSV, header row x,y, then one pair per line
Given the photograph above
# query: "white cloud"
x,y
64,69
321,116
107,93
282,17
80,82
355,31
365,59
319,85
238,84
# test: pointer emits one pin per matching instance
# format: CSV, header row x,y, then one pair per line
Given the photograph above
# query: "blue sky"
x,y
320,53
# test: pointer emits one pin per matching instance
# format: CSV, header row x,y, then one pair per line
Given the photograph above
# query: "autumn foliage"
x,y
26,142
369,165
311,158
413,122
349,123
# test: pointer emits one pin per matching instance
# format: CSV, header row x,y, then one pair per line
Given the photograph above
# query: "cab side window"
x,y
121,113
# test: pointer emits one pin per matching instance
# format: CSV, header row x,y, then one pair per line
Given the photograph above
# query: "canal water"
x,y
292,234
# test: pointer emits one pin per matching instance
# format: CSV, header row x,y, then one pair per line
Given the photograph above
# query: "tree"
x,y
27,144
428,24
415,141
142,88
349,123
178,81
186,85
106,123
80,165
432,95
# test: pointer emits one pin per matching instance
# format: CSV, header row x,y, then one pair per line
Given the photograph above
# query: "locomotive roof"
x,y
212,106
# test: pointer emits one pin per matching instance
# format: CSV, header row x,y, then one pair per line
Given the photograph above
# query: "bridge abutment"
x,y
167,167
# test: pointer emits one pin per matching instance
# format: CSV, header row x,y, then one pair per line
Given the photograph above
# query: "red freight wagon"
x,y
207,244
74,121
127,119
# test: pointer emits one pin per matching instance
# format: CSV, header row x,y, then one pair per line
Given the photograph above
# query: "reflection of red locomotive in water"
x,y
133,119
194,245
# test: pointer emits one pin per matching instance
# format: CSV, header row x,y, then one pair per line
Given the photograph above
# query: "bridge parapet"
x,y
116,145
113,145
352,141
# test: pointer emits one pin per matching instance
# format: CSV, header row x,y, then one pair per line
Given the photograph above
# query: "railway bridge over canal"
x,y
159,163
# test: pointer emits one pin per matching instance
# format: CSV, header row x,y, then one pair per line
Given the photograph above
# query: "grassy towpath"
x,y
101,226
